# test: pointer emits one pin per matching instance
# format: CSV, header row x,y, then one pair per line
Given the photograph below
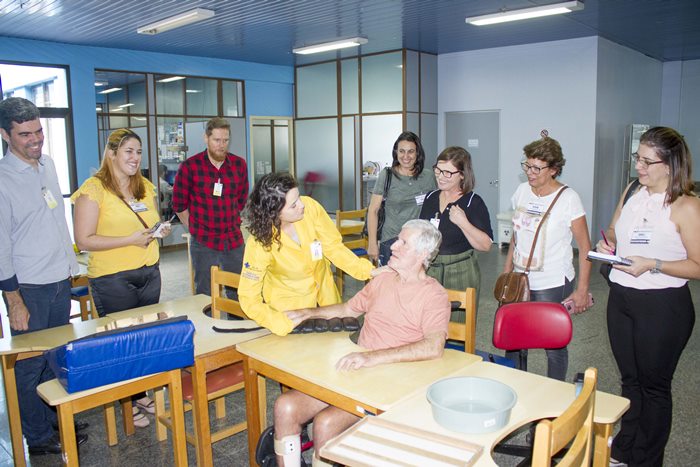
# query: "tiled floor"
x,y
590,347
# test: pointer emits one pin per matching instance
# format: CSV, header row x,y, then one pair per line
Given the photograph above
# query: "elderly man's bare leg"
x,y
330,422
293,409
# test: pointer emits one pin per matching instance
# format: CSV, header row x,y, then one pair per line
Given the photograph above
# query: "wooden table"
x,y
68,405
307,362
538,397
211,349
13,348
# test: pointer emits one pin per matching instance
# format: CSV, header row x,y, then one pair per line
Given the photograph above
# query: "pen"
x,y
605,239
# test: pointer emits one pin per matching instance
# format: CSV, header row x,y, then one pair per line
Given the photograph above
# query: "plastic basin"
x,y
469,404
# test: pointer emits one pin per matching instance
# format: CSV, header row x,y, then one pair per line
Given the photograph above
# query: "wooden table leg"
x,y
69,446
200,414
128,416
178,418
601,450
159,399
8,376
252,408
111,424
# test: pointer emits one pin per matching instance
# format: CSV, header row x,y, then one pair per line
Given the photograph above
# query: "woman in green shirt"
x,y
408,187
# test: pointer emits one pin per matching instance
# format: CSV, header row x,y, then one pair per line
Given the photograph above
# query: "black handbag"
x,y
606,268
381,214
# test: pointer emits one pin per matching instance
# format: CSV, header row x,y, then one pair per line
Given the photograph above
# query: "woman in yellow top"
x,y
115,213
286,264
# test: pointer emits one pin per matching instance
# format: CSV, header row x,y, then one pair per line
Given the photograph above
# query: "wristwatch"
x,y
657,267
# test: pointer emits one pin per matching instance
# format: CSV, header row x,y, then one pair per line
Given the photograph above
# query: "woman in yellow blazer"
x,y
286,264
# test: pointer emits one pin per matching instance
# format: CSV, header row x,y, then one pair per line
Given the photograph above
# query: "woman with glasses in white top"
x,y
462,218
650,309
551,269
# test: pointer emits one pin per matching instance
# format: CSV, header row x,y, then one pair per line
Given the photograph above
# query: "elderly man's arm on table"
x,y
428,348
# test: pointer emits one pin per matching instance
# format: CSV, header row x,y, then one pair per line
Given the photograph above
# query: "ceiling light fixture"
x,y
525,13
123,106
188,17
326,46
192,91
100,83
107,91
171,79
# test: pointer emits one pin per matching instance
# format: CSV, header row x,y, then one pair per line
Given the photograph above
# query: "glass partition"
x,y
201,96
232,96
413,78
379,132
317,90
428,83
317,160
382,83
349,83
170,95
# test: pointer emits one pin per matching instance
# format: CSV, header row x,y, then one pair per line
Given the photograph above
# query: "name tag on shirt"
x,y
641,236
218,189
316,250
420,199
535,208
138,206
436,222
49,198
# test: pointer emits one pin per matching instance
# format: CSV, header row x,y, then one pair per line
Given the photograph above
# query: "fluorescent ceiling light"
x,y
326,46
107,91
171,79
192,91
525,13
98,109
188,17
100,83
126,105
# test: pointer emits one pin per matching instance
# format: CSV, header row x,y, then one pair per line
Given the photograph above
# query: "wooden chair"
x,y
464,332
80,292
224,375
574,426
219,302
350,224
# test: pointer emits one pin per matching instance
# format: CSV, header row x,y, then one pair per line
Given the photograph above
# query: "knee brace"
x,y
289,448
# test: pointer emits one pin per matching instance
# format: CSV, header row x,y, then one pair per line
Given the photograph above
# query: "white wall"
x,y
689,114
629,91
548,85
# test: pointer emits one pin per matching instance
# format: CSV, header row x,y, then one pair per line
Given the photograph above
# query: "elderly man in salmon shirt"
x,y
406,317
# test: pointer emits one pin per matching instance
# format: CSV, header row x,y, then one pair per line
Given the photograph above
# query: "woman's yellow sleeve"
x,y
333,248
256,262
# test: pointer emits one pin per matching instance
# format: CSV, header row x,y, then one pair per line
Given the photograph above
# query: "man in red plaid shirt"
x,y
210,191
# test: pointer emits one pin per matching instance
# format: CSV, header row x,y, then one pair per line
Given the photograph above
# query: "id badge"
x,y
641,236
436,222
420,199
316,250
535,208
218,189
138,206
48,197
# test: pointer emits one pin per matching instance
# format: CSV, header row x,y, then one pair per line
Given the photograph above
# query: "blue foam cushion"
x,y
122,354
359,251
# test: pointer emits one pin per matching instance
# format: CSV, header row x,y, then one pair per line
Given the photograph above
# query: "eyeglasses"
x,y
535,170
444,173
644,161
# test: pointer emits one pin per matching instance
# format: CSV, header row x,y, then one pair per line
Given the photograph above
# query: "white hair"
x,y
427,241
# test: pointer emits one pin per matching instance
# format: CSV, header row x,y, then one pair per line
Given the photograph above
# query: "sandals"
x,y
140,419
146,404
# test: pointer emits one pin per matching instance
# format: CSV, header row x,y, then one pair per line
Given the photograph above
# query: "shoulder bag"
x,y
514,287
380,213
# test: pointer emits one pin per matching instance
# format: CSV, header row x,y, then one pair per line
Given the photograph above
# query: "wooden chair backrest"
x,y
464,332
354,228
574,426
219,301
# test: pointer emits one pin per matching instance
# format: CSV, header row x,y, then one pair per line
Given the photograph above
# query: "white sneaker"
x,y
616,463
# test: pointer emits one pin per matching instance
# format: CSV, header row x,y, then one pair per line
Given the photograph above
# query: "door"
x,y
478,133
271,146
